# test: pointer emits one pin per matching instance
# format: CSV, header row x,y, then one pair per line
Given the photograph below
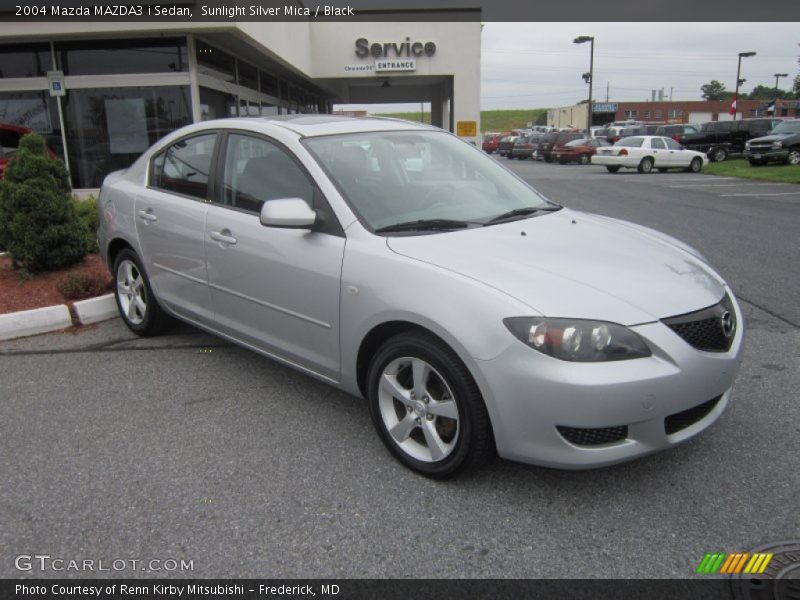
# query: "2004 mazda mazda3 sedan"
x,y
399,263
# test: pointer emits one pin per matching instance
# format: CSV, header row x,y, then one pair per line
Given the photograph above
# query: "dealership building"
x,y
103,92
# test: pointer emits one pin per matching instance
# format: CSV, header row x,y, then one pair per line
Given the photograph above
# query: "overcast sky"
x,y
536,65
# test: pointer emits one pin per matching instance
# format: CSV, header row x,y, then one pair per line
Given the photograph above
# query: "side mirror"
x,y
288,213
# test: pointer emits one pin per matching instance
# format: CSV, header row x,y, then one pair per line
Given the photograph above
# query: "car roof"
x,y
315,125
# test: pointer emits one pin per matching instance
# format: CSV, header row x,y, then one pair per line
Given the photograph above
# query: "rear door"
x,y
661,155
170,222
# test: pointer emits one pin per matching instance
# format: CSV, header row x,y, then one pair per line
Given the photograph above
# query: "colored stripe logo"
x,y
733,564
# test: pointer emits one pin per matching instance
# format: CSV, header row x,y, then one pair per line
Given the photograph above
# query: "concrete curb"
x,y
97,309
53,318
32,322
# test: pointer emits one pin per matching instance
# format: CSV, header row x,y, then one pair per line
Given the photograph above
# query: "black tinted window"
x,y
184,167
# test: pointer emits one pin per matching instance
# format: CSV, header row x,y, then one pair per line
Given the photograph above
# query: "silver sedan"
x,y
399,263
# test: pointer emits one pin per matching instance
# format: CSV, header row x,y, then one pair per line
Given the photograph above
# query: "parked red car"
x,y
580,150
10,135
491,141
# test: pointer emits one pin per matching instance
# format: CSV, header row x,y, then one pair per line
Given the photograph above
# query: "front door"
x,y
276,289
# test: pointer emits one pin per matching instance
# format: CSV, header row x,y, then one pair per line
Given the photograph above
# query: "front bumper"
x,y
767,154
532,395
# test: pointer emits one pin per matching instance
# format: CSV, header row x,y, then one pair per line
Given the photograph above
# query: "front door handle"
x,y
147,215
224,237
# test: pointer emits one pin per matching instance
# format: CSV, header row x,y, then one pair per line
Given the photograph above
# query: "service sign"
x,y
396,64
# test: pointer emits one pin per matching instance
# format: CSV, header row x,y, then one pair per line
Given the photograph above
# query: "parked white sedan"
x,y
648,152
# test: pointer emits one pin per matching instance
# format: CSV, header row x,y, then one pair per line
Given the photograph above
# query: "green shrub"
x,y
77,286
38,225
86,211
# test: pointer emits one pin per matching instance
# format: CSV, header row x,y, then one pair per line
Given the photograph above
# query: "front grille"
x,y
593,437
760,146
685,418
711,329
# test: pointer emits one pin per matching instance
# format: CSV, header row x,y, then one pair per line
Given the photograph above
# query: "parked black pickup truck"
x,y
719,139
782,145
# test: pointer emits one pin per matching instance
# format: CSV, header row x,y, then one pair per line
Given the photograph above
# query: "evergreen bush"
x,y
38,225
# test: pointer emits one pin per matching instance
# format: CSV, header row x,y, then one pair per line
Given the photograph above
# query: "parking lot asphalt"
x,y
185,447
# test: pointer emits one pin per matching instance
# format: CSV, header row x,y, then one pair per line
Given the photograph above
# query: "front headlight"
x,y
777,145
747,145
578,340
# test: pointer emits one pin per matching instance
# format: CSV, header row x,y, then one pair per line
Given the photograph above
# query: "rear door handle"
x,y
224,237
147,215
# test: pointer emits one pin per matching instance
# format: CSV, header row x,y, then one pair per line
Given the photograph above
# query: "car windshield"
x,y
392,177
630,142
787,127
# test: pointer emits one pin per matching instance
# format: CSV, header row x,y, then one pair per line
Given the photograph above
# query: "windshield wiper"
x,y
521,212
424,224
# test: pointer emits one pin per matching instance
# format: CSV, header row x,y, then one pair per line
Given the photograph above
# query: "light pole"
x,y
739,80
581,39
777,76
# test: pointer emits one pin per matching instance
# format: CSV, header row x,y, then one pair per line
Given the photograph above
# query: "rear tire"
x,y
136,302
612,168
719,154
794,156
646,166
548,159
426,406
584,159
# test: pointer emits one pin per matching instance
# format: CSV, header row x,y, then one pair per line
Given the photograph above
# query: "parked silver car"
x,y
398,263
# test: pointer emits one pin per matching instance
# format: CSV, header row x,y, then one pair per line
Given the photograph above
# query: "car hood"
x,y
777,137
572,264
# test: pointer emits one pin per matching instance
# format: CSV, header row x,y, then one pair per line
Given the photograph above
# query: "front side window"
x,y
257,171
397,177
185,167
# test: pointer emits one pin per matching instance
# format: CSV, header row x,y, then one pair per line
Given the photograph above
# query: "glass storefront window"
x,y
216,105
108,128
248,75
114,57
25,60
215,63
36,111
269,84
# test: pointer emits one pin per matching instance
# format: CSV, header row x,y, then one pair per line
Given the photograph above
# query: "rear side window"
x,y
185,167
657,143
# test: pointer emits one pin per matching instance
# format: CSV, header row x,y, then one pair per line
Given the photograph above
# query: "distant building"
x,y
680,111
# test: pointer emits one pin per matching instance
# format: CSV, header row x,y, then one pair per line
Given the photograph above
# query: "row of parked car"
x,y
759,140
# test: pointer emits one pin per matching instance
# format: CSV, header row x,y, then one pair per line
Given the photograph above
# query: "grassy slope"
x,y
741,168
491,120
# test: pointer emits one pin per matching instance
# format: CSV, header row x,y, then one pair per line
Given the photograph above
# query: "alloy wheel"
x,y
131,293
418,409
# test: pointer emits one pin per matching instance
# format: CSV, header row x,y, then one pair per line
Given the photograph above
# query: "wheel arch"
x,y
116,246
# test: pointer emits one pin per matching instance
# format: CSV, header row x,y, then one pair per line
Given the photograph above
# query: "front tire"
x,y
584,159
136,302
696,165
646,166
426,406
